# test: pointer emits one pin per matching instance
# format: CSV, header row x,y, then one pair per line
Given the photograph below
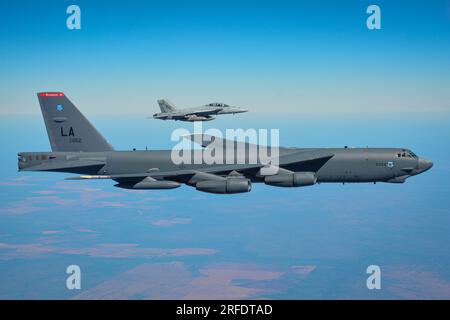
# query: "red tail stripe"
x,y
51,94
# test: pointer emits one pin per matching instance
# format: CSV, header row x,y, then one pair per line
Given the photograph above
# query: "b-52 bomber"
x,y
77,147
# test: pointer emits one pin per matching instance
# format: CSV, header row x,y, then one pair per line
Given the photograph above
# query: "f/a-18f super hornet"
x,y
77,147
202,113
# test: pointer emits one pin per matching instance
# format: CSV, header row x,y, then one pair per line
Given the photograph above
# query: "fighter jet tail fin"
x,y
166,106
68,130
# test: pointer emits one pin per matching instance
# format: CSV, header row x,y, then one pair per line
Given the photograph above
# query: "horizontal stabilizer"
x,y
75,166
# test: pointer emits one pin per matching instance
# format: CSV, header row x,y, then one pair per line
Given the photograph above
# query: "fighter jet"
x,y
206,112
77,147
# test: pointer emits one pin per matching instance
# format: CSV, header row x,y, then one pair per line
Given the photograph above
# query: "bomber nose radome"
x,y
424,164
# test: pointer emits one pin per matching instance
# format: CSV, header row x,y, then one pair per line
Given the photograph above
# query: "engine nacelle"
x,y
226,186
294,179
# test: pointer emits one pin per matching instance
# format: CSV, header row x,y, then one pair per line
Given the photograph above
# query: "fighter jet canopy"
x,y
218,104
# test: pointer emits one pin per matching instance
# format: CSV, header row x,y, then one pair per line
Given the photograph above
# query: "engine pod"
x,y
294,179
225,186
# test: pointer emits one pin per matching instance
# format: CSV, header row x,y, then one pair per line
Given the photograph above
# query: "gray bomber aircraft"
x,y
77,147
202,113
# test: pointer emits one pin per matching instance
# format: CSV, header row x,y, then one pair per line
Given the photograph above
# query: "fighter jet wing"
x,y
202,112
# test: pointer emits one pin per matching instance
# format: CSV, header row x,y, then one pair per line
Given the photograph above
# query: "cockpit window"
x,y
412,154
217,104
407,154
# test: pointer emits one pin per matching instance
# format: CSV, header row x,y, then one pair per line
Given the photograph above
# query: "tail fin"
x,y
67,128
166,106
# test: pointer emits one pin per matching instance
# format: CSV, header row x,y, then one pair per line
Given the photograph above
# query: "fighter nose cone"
x,y
424,164
237,110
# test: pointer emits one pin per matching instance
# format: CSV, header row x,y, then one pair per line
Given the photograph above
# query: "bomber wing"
x,y
298,161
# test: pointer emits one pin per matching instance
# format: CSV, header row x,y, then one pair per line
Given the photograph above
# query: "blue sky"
x,y
294,56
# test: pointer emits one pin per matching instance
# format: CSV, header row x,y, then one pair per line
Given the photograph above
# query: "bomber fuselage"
x,y
346,164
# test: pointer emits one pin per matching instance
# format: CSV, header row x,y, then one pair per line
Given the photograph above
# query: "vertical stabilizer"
x,y
166,106
67,128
